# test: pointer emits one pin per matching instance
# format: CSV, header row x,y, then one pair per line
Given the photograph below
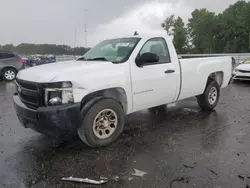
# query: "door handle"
x,y
169,71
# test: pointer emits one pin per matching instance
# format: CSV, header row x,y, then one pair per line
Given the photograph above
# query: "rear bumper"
x,y
21,67
57,121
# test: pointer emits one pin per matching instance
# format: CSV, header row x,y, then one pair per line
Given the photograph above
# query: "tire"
x,y
9,74
104,132
210,98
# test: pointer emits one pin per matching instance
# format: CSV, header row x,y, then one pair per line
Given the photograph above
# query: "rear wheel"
x,y
209,99
9,74
102,123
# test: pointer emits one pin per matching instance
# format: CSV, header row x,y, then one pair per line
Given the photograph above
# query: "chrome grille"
x,y
242,77
244,71
28,93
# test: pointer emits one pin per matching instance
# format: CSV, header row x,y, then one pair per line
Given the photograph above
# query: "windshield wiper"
x,y
97,59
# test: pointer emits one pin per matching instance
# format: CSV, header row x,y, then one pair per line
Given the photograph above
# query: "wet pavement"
x,y
195,148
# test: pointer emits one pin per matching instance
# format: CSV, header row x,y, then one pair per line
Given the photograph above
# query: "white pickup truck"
x,y
91,95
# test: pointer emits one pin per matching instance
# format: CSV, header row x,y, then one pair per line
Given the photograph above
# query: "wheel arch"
x,y
216,76
8,67
118,94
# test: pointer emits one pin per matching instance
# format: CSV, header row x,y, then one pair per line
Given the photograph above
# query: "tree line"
x,y
29,49
208,32
205,32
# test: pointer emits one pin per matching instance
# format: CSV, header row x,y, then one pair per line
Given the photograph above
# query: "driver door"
x,y
155,83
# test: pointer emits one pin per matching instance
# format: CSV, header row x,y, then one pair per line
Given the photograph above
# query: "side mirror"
x,y
146,58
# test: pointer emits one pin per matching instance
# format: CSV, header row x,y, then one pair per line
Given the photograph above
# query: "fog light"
x,y
55,101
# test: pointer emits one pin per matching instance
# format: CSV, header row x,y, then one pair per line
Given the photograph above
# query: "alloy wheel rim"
x,y
105,124
9,75
212,96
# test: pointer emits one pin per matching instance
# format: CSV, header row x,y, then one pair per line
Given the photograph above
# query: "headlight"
x,y
236,70
61,95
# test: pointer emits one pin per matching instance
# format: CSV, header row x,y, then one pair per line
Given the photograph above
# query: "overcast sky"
x,y
55,21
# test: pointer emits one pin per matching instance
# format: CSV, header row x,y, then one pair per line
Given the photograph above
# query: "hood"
x,y
243,67
50,72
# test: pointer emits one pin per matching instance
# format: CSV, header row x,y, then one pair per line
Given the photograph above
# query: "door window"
x,y
159,47
6,55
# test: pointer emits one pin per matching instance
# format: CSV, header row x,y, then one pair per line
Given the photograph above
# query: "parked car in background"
x,y
26,60
40,60
247,61
10,64
242,71
52,58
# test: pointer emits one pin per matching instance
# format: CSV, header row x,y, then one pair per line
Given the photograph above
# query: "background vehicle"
x,y
242,71
27,60
247,61
10,64
40,60
92,95
52,58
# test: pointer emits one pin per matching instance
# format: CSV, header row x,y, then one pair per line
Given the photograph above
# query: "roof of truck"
x,y
143,36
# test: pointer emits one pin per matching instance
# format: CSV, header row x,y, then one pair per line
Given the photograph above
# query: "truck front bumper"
x,y
57,121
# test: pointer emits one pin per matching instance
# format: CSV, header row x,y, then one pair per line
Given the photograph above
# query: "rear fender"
x,y
216,76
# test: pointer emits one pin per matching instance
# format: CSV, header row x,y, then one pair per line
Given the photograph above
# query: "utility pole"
x,y
85,28
86,36
75,45
248,31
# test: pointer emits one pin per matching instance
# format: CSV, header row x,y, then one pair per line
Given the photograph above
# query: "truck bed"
x,y
195,73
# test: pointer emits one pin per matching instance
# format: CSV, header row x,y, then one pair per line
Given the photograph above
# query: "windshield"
x,y
247,61
114,50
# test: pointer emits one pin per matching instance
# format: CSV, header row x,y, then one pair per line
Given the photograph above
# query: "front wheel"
x,y
102,123
209,99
